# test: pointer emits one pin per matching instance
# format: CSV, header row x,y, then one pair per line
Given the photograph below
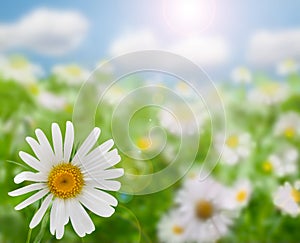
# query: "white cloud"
x,y
270,47
130,42
207,51
45,31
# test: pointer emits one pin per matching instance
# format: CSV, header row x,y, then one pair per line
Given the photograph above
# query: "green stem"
x,y
29,235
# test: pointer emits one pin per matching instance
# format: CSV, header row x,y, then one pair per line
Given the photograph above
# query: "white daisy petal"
x,y
100,150
61,218
106,174
97,206
102,161
86,222
104,184
86,146
32,199
57,142
44,145
75,220
36,148
53,219
30,176
31,161
41,212
104,196
69,140
26,189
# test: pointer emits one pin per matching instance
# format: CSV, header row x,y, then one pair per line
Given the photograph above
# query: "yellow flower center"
x,y
289,63
181,86
296,195
204,209
270,89
143,143
290,132
68,108
73,70
33,89
65,181
241,196
177,230
18,62
267,166
232,141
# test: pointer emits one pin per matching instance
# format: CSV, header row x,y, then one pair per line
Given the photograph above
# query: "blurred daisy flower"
x,y
241,75
288,66
241,193
287,198
204,210
53,101
68,183
237,146
184,89
269,93
282,163
71,74
288,125
183,119
171,228
19,69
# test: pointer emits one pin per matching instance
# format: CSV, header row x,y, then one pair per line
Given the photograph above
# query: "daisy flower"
x,y
241,193
241,75
237,146
52,101
204,210
171,228
66,183
270,93
71,74
184,89
287,199
183,119
19,69
288,125
283,163
288,66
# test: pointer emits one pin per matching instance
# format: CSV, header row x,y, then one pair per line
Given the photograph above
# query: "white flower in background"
x,y
270,93
288,125
53,101
69,183
236,147
71,74
183,119
287,199
241,75
171,228
241,193
204,210
184,89
282,163
288,66
19,69
113,95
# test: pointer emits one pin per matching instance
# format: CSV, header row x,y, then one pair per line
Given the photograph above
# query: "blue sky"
x,y
235,20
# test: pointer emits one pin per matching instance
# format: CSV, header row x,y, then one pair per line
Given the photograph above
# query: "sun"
x,y
189,16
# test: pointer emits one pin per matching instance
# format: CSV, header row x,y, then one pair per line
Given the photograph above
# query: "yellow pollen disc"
x,y
182,86
177,230
18,62
68,108
204,209
267,166
232,141
33,89
289,132
241,196
73,70
270,89
65,181
296,195
144,143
